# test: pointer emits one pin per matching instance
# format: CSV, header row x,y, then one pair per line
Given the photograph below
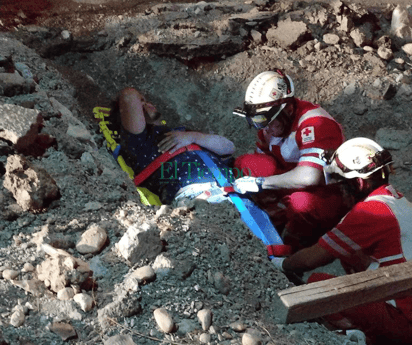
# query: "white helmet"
x,y
358,157
267,87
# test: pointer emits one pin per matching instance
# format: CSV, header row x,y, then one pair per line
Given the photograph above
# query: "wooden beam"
x,y
327,297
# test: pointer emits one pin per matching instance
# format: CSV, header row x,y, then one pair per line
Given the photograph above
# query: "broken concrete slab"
x,y
15,121
288,34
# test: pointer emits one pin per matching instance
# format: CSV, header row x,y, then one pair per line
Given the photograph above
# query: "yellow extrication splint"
x,y
100,113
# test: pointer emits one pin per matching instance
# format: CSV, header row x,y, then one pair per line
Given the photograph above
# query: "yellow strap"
x,y
146,196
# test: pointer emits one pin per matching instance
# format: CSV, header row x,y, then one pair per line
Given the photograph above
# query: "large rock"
x,y
13,84
92,240
32,187
288,34
164,320
401,26
363,35
62,270
15,121
137,244
124,306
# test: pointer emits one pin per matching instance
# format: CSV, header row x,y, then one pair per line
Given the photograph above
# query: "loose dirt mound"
x,y
194,61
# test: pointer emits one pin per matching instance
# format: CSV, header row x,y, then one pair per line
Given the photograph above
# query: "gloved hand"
x,y
248,184
278,263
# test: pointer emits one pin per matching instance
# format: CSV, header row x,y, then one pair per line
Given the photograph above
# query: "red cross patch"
x,y
308,135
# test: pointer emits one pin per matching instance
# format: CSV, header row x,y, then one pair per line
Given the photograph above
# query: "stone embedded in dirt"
x,y
76,128
92,240
184,269
346,23
125,305
28,267
407,48
144,274
384,41
13,84
163,210
205,338
84,301
331,39
32,187
359,108
119,339
66,34
378,65
256,36
186,326
385,53
137,244
17,318
65,294
205,318
16,121
222,283
362,35
10,274
251,339
401,25
33,286
163,264
62,270
238,326
164,320
350,89
64,330
288,34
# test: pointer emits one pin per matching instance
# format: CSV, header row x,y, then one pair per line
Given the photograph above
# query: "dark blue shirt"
x,y
139,150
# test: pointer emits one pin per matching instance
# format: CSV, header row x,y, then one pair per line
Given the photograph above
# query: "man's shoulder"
x,y
304,106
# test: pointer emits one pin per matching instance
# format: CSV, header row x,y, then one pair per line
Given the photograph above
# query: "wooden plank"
x,y
327,297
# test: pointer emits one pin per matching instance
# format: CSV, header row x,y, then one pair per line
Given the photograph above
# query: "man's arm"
x,y
215,143
308,259
299,177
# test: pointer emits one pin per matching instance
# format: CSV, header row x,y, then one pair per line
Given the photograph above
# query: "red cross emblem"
x,y
308,135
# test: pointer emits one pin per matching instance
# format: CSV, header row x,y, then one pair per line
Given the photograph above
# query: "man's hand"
x,y
248,184
176,140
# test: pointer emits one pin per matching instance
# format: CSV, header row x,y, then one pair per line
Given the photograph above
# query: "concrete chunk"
x,y
288,34
15,121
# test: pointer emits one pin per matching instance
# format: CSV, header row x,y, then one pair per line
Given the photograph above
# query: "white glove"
x,y
248,184
278,263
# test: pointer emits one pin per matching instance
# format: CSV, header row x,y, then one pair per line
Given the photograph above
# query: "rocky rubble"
x,y
81,259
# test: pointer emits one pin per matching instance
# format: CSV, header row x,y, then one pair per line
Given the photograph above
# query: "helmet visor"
x,y
261,119
379,160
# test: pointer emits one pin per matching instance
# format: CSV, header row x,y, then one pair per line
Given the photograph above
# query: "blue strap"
x,y
116,151
256,219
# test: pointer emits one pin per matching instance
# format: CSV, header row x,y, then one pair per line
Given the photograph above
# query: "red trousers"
x,y
381,322
309,212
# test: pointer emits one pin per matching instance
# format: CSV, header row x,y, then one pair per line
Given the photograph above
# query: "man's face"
x,y
274,128
352,192
150,112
